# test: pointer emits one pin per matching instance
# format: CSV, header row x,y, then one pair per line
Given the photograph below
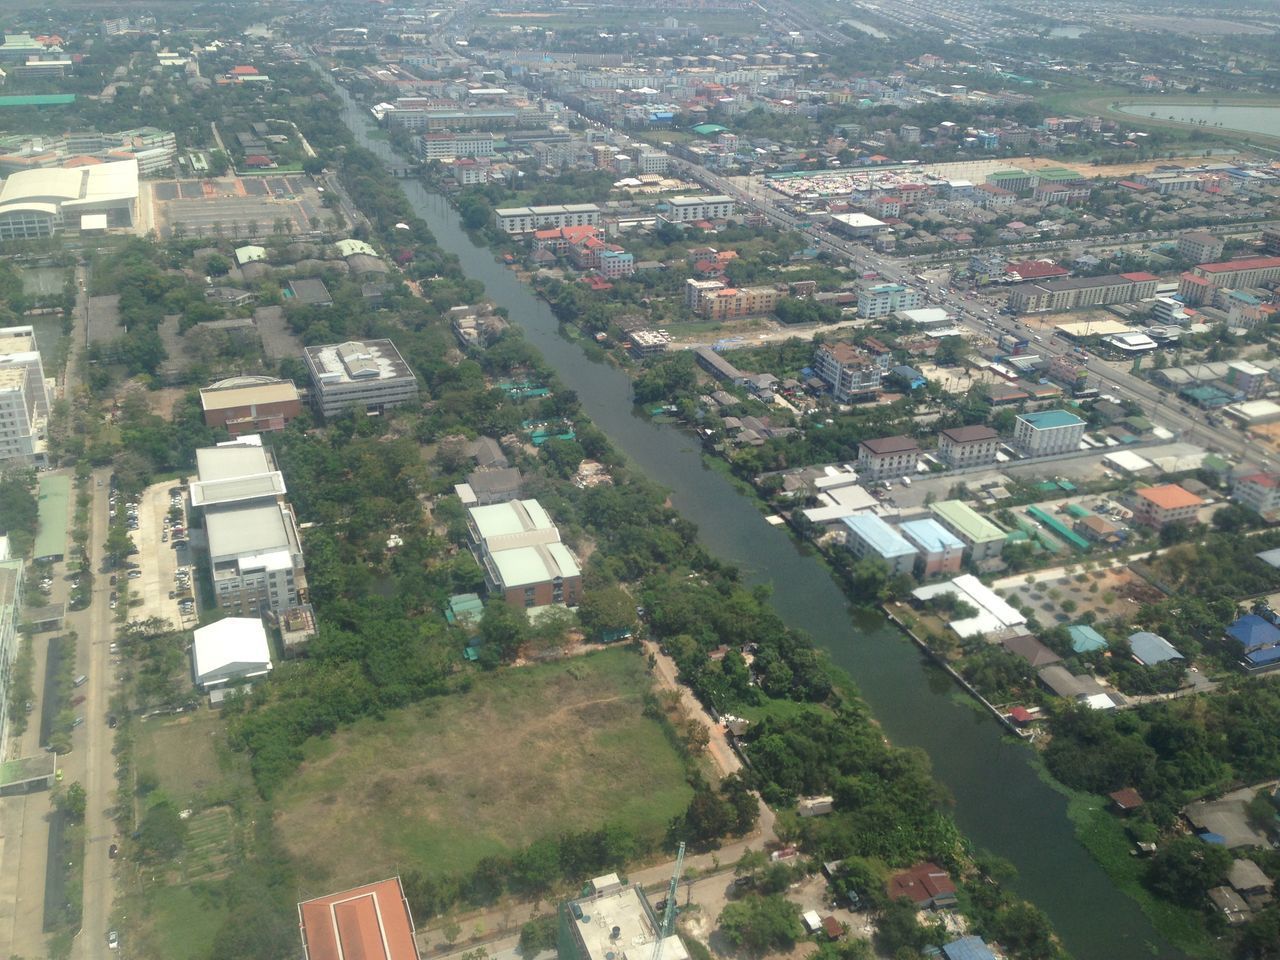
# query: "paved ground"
x,y
234,207
158,559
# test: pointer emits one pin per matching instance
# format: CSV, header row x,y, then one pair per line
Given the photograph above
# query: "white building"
x,y
368,376
255,553
11,583
881,299
1047,432
528,219
687,209
38,203
446,146
230,650
970,446
24,397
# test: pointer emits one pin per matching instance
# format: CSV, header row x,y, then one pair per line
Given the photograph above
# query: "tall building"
x,y
25,397
1199,246
961,447
255,552
524,561
366,376
1048,432
10,613
851,373
882,299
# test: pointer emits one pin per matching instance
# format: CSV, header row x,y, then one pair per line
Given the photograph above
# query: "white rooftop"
x,y
230,649
994,614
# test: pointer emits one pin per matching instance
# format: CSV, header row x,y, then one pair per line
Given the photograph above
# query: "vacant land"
x,y
190,759
525,753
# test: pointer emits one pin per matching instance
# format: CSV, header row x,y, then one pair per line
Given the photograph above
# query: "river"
x,y
1000,802
1262,118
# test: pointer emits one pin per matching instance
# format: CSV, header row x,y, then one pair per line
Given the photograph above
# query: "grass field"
x,y
189,755
525,753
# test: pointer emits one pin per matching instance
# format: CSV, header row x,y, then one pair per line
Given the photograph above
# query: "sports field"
x,y
526,753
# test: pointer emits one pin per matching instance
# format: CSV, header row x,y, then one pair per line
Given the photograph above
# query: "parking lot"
x,y
235,207
156,582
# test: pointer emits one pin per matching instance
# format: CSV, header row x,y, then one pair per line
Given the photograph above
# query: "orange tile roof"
x,y
1170,496
366,923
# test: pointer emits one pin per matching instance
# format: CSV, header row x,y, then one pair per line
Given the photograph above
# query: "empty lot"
x,y
526,753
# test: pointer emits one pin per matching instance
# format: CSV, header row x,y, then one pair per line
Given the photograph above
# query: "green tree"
x,y
1185,868
503,629
758,925
607,611
162,834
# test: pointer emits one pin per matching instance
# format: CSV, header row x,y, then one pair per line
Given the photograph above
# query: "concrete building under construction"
x,y
614,921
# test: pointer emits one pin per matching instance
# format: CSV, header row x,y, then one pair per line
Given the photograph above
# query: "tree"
x,y
217,265
1185,868
758,925
162,834
607,613
72,802
503,629
537,935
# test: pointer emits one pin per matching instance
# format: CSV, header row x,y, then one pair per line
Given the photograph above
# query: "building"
x,y
1199,246
520,220
850,372
1233,274
154,149
968,948
596,926
984,540
718,366
11,588
961,447
1259,492
695,290
1165,504
1258,642
1074,292
372,922
885,458
941,551
255,552
1150,648
446,146
926,885
492,485
228,651
524,561
250,404
869,536
1247,378
856,225
35,204
310,292
992,615
882,299
1048,432
368,376
691,209
727,303
25,397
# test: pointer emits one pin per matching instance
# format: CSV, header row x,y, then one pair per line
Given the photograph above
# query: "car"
x,y
164,537
135,574
29,706
113,851
76,701
77,722
173,594
112,722
114,604
113,940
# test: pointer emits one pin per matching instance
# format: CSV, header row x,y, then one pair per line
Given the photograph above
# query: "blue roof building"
x,y
968,948
942,550
868,535
1151,648
1259,641
1085,639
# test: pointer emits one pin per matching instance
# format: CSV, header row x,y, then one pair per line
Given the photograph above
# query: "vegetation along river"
x,y
1000,802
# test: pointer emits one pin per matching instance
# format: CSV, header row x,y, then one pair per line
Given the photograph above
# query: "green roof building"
x,y
981,537
54,511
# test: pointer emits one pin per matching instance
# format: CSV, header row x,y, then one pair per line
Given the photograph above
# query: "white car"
x,y
113,940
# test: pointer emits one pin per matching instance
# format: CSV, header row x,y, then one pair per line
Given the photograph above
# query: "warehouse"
x,y
39,203
231,649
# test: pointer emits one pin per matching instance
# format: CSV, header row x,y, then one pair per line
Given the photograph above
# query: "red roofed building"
x,y
926,885
257,161
1193,289
1165,504
372,922
559,239
1033,270
1258,491
1245,272
1131,185
243,71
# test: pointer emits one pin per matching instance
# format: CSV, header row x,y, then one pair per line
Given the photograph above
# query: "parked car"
x,y
113,940
113,851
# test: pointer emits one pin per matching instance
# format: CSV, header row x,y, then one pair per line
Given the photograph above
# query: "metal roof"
x,y
1049,419
878,535
970,524
930,536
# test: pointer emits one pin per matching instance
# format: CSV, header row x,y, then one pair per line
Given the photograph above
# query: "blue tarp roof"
x,y
1085,639
1216,839
1267,655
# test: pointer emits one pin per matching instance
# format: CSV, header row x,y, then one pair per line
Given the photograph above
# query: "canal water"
x,y
1259,118
1000,802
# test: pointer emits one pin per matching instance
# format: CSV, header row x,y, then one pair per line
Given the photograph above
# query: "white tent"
x,y
232,649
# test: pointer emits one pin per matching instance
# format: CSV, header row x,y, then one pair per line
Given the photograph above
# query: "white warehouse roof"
x,y
235,648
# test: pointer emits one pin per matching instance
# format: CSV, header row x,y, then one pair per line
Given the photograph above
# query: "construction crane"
x,y
669,914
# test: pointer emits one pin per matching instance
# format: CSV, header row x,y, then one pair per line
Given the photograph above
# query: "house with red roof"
x,y
926,885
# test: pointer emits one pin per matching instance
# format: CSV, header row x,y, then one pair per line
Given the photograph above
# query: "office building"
x,y
524,562
941,551
25,398
366,376
850,372
961,447
255,553
1047,432
1074,292
886,458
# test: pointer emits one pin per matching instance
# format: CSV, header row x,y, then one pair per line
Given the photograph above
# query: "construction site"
x,y
614,921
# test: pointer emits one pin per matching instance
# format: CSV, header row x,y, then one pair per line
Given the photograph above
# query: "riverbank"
x,y
1000,803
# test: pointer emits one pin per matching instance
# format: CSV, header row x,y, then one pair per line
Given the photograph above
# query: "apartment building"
x,y
524,562
885,458
1074,292
1047,432
726,303
1247,378
850,372
1162,505
446,146
25,398
940,552
519,220
255,553
866,535
1199,246
961,447
694,290
1259,492
689,209
1245,272
983,539
367,376
882,299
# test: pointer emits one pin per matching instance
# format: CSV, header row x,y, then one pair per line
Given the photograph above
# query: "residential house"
x,y
926,885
